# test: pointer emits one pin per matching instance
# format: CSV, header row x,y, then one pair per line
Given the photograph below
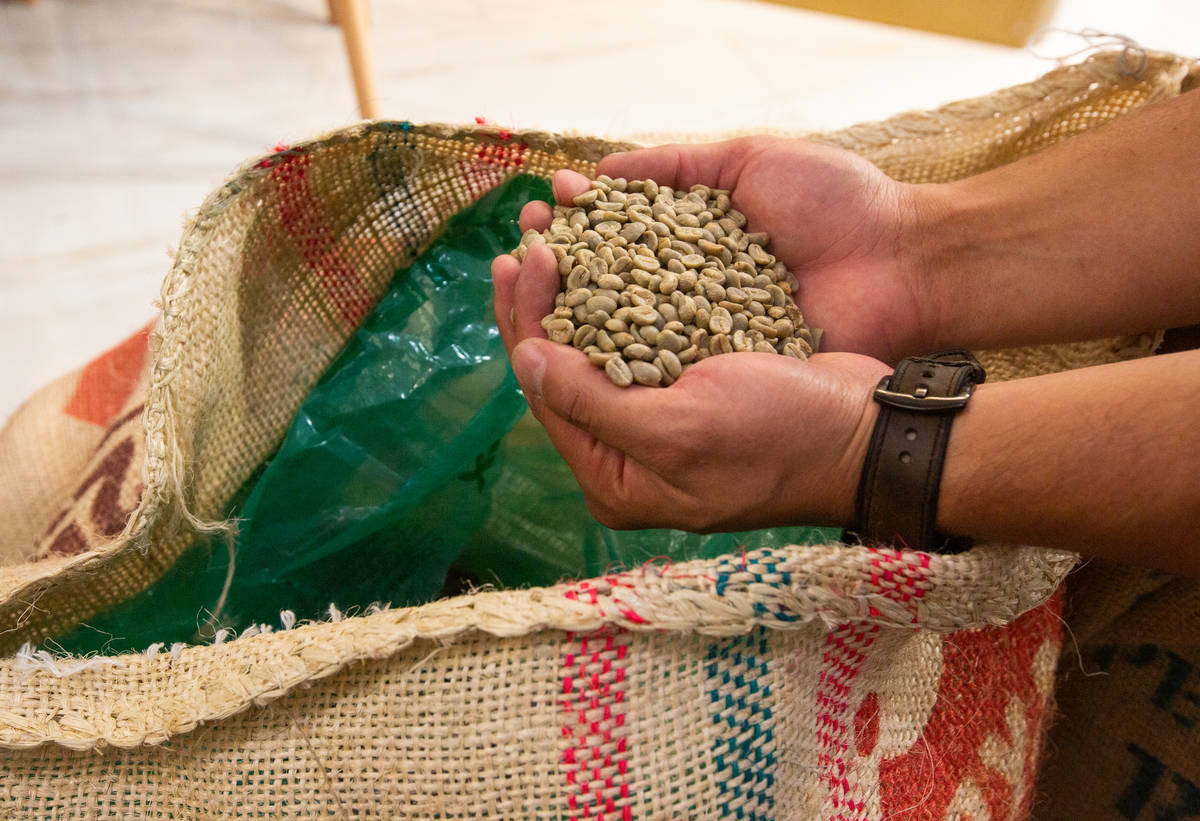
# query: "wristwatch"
x,y
898,489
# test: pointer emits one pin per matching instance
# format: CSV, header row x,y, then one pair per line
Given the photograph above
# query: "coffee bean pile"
x,y
654,280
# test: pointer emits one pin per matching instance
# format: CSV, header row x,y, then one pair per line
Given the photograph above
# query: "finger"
x,y
599,467
681,166
568,185
536,215
588,458
585,455
569,386
592,461
505,270
583,452
534,292
613,483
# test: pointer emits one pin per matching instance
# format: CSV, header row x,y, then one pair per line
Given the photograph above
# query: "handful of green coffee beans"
x,y
654,280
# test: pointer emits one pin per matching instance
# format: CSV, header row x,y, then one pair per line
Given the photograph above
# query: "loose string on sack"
x,y
1130,64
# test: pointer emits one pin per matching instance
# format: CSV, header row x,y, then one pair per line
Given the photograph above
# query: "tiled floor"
x,y
117,116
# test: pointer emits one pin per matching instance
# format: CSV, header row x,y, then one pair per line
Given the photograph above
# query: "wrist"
x,y
854,456
930,257
833,440
960,493
1099,460
999,246
936,257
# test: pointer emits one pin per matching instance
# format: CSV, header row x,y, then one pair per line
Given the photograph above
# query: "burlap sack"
x,y
796,682
55,461
1127,744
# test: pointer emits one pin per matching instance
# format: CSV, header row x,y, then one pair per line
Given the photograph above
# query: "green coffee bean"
x,y
561,330
618,371
645,374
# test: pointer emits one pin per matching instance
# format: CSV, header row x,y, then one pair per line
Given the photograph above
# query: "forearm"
x,y
1102,460
1096,236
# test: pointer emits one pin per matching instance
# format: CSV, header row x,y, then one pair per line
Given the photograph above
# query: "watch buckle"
x,y
919,400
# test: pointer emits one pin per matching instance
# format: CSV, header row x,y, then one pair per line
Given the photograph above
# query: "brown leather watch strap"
x,y
898,490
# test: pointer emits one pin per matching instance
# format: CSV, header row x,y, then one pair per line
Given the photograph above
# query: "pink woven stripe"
x,y
596,756
845,650
615,588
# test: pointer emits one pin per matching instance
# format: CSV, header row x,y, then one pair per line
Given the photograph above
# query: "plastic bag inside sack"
x,y
401,470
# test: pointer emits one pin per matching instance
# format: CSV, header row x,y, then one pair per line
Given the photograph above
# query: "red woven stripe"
x,y
300,214
595,757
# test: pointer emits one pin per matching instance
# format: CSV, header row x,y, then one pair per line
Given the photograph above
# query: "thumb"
x,y
560,379
567,185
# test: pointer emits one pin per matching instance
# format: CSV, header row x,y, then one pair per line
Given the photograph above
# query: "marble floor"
x,y
118,116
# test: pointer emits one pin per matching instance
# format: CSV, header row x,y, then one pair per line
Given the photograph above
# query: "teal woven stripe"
x,y
759,567
742,707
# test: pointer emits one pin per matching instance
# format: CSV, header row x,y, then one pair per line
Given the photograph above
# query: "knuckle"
x,y
578,408
614,512
685,165
748,146
605,514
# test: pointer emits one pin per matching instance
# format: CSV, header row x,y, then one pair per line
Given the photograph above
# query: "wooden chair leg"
x,y
351,15
333,16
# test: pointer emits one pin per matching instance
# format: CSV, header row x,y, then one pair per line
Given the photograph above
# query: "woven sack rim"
x,y
786,589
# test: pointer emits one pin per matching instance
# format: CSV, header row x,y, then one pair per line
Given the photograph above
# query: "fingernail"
x,y
530,366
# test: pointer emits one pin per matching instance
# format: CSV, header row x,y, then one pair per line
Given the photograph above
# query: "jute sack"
x,y
61,435
1127,744
796,682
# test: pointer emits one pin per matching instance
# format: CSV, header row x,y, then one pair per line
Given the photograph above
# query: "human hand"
x,y
836,221
738,442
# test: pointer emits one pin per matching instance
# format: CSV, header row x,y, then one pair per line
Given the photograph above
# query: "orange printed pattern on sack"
x,y
108,381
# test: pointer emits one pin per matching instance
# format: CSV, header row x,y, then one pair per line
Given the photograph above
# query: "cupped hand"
x,y
841,226
740,441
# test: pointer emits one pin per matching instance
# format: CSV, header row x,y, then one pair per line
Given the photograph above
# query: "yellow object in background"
x,y
998,21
